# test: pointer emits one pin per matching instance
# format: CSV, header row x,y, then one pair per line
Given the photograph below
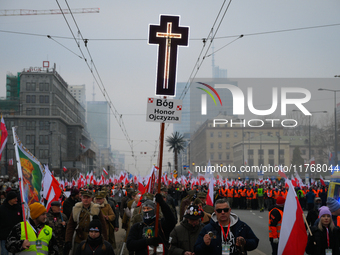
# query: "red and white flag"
x,y
210,195
64,169
10,162
322,181
3,136
105,171
82,146
293,235
52,188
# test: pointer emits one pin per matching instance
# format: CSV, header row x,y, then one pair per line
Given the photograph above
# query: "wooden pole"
x,y
159,176
304,217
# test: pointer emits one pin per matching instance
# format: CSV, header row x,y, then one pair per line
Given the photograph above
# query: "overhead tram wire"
x,y
48,36
120,120
192,39
103,90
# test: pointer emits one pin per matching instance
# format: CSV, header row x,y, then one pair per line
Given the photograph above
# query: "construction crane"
x,y
23,12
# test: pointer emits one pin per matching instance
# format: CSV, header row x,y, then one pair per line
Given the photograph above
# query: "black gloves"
x,y
154,241
159,198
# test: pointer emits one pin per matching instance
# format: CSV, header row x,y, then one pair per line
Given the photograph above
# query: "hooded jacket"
x,y
237,228
183,237
10,215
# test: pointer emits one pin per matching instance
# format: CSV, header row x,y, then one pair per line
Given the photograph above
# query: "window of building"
x,y
220,145
43,153
303,152
41,99
271,162
227,134
30,139
235,134
219,156
41,86
28,99
261,161
312,152
47,99
211,156
44,111
251,162
270,152
33,99
28,86
47,87
219,134
30,111
211,145
227,146
260,152
228,155
211,134
43,139
282,153
250,152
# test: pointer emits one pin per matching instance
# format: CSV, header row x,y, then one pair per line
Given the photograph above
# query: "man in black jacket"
x,y
70,202
10,215
141,238
225,233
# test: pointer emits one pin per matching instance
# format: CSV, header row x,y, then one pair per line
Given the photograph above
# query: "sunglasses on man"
x,y
223,209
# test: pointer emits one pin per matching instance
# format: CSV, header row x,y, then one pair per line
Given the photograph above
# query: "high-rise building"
x,y
79,93
50,120
98,122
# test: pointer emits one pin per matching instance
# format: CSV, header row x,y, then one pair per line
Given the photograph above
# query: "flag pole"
x,y
21,185
159,176
304,217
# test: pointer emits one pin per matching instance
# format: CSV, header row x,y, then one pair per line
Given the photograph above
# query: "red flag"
x,y
3,135
64,169
293,236
322,181
105,171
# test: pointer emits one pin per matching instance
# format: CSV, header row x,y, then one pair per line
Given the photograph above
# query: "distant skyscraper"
x,y
78,91
98,122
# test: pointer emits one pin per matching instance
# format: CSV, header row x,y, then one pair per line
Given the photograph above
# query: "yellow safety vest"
x,y
44,236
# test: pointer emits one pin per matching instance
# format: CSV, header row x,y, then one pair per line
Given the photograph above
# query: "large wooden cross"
x,y
168,35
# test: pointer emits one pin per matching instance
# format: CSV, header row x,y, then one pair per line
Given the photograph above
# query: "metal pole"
x,y
159,176
309,143
335,132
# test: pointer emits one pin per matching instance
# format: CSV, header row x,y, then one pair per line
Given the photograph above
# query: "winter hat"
x,y
95,224
280,201
36,209
193,213
11,195
148,203
332,204
324,210
74,192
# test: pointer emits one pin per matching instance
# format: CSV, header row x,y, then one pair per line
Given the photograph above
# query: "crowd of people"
x,y
85,221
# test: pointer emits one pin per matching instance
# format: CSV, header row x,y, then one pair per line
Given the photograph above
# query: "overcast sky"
x,y
127,66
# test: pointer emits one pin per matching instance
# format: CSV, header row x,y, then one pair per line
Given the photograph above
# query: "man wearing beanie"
x,y
94,244
79,221
141,237
275,220
10,215
40,238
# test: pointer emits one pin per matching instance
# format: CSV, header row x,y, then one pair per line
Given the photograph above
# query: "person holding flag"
x,y
275,220
34,236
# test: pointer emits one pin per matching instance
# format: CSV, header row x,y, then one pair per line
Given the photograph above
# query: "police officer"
x,y
57,221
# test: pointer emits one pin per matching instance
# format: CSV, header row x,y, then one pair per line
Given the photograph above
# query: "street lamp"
x,y
335,125
309,131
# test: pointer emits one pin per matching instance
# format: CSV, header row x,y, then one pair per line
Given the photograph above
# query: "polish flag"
x,y
10,162
293,235
52,188
322,181
281,173
3,135
141,187
104,170
64,169
312,161
210,195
